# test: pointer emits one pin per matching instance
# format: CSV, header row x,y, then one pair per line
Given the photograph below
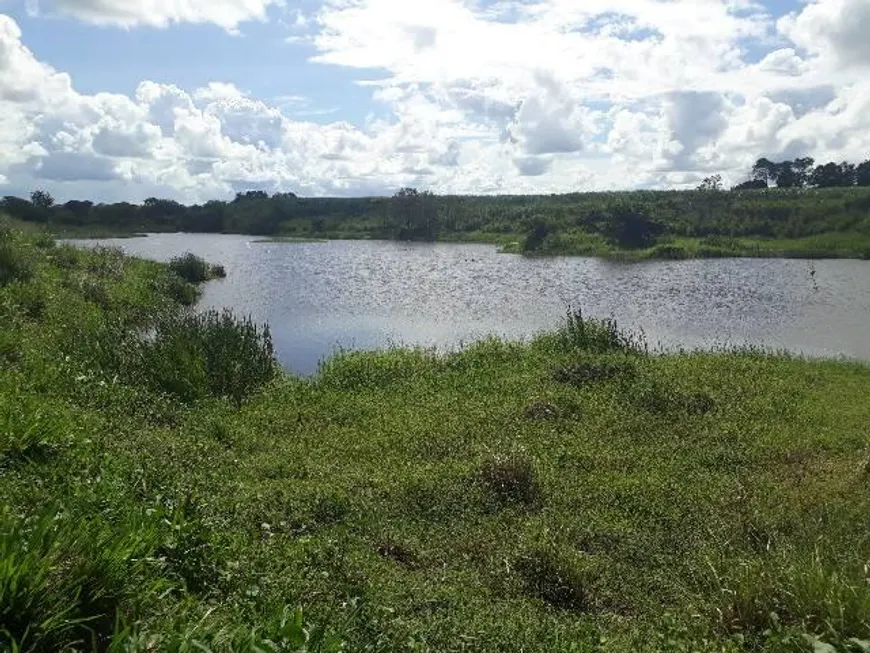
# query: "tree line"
x,y
804,173
789,199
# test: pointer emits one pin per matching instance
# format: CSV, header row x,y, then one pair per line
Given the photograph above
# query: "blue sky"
x,y
121,99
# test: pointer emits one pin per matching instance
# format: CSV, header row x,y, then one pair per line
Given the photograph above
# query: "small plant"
x,y
28,431
511,481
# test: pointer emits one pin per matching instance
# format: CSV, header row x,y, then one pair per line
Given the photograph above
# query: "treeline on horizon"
x,y
780,200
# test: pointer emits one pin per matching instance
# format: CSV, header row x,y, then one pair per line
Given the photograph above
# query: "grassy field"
x,y
166,488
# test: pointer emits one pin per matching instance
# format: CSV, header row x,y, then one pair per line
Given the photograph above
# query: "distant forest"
x,y
780,200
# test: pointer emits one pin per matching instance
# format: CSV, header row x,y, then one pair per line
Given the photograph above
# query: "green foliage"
x,y
191,268
581,333
196,355
828,598
165,489
14,262
29,429
636,225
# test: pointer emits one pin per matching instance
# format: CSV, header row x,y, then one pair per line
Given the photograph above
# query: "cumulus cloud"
x,y
467,97
159,13
835,29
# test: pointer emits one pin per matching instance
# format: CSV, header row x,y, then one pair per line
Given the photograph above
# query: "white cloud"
x,y
545,96
834,30
160,13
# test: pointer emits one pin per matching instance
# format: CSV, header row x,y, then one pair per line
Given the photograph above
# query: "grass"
x,y
823,246
576,492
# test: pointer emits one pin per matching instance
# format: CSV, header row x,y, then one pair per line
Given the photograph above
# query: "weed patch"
x,y
511,481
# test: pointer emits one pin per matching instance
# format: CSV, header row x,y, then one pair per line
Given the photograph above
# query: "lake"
x,y
320,296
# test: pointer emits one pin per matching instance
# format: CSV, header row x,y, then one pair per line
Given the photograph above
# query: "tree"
x,y
414,214
833,175
787,176
751,184
765,170
862,174
711,184
538,231
41,200
628,227
803,168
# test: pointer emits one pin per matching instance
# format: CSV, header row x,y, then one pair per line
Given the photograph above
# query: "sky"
x,y
120,100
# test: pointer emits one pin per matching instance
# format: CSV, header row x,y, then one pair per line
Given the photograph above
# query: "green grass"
x,y
575,492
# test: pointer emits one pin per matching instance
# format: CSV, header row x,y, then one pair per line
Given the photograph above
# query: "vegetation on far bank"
x,y
166,488
813,212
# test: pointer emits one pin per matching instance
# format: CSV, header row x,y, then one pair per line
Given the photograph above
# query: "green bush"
x,y
65,585
193,356
28,429
191,268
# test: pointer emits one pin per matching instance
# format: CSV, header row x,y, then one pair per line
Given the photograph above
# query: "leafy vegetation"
x,y
165,489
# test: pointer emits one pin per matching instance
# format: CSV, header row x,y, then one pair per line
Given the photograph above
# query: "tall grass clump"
x,y
28,429
65,585
600,336
193,269
15,265
195,355
809,592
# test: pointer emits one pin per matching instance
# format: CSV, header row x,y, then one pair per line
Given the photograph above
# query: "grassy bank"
x,y
166,489
579,243
629,225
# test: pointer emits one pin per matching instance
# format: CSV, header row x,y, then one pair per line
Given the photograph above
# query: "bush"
x,y
217,272
209,354
816,595
191,268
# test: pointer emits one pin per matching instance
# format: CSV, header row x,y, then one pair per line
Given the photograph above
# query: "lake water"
x,y
364,295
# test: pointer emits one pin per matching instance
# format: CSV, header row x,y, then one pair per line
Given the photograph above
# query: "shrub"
x,y
217,272
191,268
179,290
209,354
511,481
